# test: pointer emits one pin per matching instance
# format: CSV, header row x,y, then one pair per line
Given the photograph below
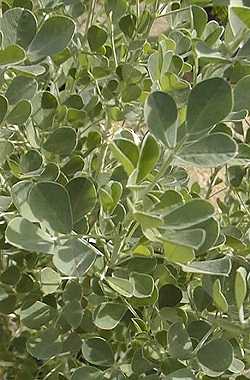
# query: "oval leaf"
x,y
148,158
50,204
108,315
53,36
210,102
208,357
160,114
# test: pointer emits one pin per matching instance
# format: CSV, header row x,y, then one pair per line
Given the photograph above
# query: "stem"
x,y
90,16
137,9
212,182
113,39
173,12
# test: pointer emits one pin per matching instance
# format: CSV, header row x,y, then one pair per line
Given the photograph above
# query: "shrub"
x,y
115,263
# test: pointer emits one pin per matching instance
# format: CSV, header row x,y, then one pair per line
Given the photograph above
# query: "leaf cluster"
x,y
115,263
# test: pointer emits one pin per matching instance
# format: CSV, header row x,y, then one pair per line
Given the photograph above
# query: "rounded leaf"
x,y
18,26
53,36
50,204
179,342
87,373
12,55
149,155
169,296
3,107
160,114
21,87
211,151
20,113
108,315
23,234
62,141
210,101
215,357
75,257
98,351
82,195
96,37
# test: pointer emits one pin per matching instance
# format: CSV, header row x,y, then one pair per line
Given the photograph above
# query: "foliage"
x,y
114,263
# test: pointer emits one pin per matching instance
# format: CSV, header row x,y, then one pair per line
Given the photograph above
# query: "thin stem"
x,y
137,9
212,182
90,16
176,11
217,192
113,39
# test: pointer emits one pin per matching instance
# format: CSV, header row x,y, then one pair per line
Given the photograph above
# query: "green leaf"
x,y
23,234
148,220
53,36
240,287
209,102
19,193
72,291
210,352
243,13
127,24
19,27
45,344
72,313
98,351
50,280
11,275
108,315
160,115
37,315
96,37
177,253
169,296
189,214
5,202
130,93
218,297
149,155
241,94
20,88
140,364
75,257
8,300
187,238
208,55
212,230
211,151
61,141
30,161
200,19
11,55
143,284
126,152
198,329
181,374
50,204
26,4
20,113
6,149
117,7
82,195
179,342
216,267
87,373
34,70
121,286
3,107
